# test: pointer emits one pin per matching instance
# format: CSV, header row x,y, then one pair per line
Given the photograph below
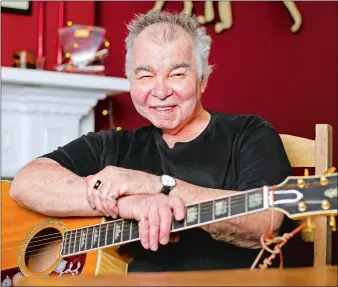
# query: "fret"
x,y
206,211
89,239
237,204
134,231
103,235
192,214
77,241
83,238
110,232
95,238
221,208
255,200
118,231
126,230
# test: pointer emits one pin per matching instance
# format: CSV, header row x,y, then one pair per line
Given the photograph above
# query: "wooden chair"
x,y
317,153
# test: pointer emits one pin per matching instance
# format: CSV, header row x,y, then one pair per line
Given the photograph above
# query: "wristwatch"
x,y
168,183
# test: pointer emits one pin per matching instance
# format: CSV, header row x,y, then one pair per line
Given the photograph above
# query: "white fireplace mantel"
x,y
42,110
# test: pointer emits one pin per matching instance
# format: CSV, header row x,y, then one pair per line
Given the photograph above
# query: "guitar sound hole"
x,y
43,250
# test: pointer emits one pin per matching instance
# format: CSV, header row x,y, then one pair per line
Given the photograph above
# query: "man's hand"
x,y
154,213
116,182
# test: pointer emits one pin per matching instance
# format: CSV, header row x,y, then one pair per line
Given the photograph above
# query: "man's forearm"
x,y
48,188
243,231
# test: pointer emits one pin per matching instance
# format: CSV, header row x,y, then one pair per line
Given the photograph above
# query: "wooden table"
x,y
326,276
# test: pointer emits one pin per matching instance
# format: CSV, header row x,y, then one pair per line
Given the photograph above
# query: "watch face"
x,y
168,180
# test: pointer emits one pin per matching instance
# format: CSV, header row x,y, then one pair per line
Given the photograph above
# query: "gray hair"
x,y
202,41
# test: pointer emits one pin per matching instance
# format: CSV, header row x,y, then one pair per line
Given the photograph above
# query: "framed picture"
x,y
17,7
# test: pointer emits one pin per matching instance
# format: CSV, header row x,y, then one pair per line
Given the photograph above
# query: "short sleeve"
x,y
88,154
262,159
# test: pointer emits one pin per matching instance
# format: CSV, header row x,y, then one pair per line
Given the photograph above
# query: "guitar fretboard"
x,y
125,230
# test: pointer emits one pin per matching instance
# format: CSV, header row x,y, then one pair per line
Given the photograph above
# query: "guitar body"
x,y
31,245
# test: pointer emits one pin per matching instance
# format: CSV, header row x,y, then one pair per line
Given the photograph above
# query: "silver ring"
x,y
111,195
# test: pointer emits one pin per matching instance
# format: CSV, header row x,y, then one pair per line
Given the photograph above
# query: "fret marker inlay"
x,y
255,200
221,207
117,231
192,214
82,238
96,235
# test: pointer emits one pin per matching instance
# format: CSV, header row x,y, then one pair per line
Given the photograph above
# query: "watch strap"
x,y
166,189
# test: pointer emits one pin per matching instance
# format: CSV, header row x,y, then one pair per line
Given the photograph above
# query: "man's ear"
x,y
204,83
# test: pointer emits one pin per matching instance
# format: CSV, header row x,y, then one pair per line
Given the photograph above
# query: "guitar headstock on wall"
x,y
303,197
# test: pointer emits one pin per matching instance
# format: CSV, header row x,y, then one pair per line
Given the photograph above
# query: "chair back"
x,y
317,153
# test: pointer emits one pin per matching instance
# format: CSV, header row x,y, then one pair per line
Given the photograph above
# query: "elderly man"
x,y
188,154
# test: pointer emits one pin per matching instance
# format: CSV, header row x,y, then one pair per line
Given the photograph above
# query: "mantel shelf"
x,y
29,77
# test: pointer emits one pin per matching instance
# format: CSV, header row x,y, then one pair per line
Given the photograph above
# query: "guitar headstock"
x,y
306,196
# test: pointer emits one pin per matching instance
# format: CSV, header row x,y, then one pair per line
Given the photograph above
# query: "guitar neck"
x,y
122,231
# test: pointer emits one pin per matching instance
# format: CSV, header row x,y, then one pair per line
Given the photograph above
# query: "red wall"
x,y
261,67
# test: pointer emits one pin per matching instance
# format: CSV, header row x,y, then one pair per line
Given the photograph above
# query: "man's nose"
x,y
161,89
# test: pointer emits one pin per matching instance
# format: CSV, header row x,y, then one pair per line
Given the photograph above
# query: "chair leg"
x,y
322,242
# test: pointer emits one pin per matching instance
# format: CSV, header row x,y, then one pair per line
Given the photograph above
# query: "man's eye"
x,y
178,75
145,76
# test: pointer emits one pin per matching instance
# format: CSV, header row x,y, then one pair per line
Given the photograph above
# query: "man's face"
x,y
164,85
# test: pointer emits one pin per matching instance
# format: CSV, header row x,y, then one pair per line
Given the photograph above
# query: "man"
x,y
186,155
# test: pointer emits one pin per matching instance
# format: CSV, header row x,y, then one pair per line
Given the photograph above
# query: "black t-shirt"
x,y
234,152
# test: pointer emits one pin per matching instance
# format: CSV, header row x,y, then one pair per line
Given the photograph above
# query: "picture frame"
x,y
17,7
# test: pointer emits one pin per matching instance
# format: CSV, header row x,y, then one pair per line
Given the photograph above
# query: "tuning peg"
x,y
307,233
306,172
326,204
323,180
333,223
310,225
300,183
330,170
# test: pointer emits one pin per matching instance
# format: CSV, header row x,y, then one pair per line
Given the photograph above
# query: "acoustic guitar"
x,y
37,245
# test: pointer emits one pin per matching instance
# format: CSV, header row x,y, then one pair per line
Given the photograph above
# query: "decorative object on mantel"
x,y
81,44
225,14
24,59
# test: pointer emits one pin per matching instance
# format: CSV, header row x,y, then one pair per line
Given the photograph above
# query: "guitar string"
x,y
126,223
203,211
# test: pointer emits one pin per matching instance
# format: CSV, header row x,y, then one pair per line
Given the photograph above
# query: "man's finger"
x,y
154,227
165,224
143,229
178,207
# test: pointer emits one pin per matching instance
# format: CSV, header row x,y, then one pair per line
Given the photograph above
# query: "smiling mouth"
x,y
164,108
